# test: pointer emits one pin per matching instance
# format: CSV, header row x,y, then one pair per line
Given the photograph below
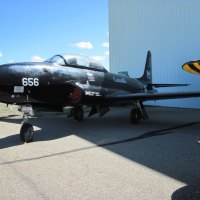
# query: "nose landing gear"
x,y
26,131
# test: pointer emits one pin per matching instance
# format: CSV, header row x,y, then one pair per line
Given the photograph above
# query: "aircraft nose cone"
x,y
5,86
4,73
9,75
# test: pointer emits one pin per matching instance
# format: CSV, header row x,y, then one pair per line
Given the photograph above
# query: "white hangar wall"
x,y
169,28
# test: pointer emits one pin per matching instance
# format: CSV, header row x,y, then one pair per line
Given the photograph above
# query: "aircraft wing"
x,y
146,96
151,96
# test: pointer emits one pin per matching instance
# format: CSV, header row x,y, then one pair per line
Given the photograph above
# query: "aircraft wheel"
x,y
71,113
26,133
78,114
135,116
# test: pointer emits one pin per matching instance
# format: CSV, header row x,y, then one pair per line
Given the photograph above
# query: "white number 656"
x,y
30,81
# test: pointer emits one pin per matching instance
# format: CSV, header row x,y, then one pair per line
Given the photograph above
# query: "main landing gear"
x,y
138,113
77,113
135,116
26,131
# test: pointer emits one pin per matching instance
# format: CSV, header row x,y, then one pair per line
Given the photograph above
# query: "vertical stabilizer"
x,y
147,76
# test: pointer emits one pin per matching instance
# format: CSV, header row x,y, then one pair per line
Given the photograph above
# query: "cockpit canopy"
x,y
76,61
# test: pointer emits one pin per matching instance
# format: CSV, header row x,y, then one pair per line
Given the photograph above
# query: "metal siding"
x,y
169,28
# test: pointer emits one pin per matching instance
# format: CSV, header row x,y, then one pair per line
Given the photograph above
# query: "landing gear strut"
x,y
138,113
77,113
135,116
26,131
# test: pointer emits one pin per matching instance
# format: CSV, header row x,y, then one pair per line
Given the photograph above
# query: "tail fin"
x,y
147,76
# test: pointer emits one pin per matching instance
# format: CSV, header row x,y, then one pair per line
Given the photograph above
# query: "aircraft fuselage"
x,y
52,84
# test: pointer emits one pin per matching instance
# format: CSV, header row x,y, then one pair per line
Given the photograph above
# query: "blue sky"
x,y
38,29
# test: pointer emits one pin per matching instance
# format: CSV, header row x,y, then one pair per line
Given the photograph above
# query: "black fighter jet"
x,y
77,81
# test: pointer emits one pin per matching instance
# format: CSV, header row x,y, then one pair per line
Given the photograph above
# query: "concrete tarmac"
x,y
103,158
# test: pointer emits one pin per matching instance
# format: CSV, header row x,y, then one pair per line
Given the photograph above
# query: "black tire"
x,y
26,133
71,113
78,114
135,116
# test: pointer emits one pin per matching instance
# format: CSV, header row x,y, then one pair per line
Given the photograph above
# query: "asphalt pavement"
x,y
103,158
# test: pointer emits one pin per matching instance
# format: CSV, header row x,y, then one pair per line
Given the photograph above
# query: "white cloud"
x,y
84,45
11,61
105,44
107,53
37,59
98,58
1,54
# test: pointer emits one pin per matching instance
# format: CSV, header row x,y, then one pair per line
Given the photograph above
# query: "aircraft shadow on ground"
x,y
172,156
188,192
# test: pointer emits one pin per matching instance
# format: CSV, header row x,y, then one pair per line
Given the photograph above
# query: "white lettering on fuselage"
x,y
90,76
119,80
90,93
30,82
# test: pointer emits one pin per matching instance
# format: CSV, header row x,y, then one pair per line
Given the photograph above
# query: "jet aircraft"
x,y
77,81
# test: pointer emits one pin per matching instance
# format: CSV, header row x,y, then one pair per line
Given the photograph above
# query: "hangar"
x,y
168,28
